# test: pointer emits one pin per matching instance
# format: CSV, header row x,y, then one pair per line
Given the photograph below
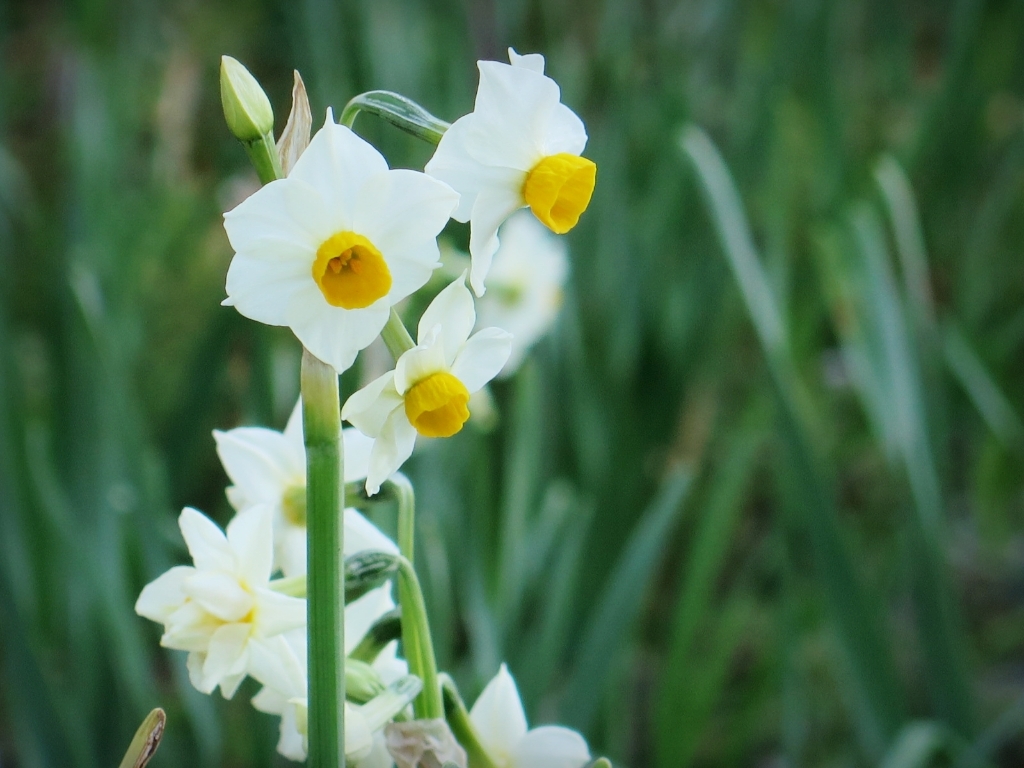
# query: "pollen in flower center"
x,y
350,271
558,190
437,406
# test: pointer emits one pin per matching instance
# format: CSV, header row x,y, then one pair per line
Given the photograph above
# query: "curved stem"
x,y
462,727
401,112
419,648
325,500
396,336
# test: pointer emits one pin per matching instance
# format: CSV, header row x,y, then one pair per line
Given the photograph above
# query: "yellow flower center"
x,y
558,190
351,273
437,406
293,504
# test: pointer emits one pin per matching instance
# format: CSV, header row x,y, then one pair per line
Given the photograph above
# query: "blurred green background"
x,y
756,501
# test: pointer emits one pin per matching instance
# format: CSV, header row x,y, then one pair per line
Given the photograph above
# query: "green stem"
x,y
325,501
406,498
419,648
401,112
462,727
265,158
396,336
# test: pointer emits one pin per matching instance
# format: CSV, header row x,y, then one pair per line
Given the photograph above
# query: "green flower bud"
x,y
362,682
247,109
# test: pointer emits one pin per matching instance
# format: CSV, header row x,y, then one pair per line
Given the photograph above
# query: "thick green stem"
x,y
396,336
325,606
419,648
265,158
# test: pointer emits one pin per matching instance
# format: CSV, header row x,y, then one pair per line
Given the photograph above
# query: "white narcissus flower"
x,y
221,610
526,281
520,146
500,723
269,467
328,250
428,392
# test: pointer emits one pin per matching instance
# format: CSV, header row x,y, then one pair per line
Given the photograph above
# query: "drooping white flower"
x,y
221,609
328,250
500,723
526,281
428,392
269,467
520,146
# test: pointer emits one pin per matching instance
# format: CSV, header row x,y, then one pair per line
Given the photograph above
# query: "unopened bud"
x,y
247,109
362,682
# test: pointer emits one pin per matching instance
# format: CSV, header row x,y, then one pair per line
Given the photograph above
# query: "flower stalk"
x,y
325,503
419,648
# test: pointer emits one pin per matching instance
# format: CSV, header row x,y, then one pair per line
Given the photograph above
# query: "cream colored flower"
x,y
429,390
269,467
328,250
221,610
500,723
520,146
526,281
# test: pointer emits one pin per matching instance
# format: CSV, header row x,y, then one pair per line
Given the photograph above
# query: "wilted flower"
x,y
428,392
269,467
520,146
221,610
500,723
328,250
526,280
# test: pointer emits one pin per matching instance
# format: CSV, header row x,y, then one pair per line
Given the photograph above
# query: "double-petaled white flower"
x,y
500,724
526,282
520,146
328,250
428,392
222,610
269,467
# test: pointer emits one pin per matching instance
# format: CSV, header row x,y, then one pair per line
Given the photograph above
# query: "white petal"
x,y
411,269
551,746
482,358
361,534
282,219
292,743
563,132
420,362
389,666
190,628
357,454
337,163
164,595
226,656
361,614
275,664
219,594
531,61
513,106
391,449
205,541
400,210
499,717
368,408
250,534
277,613
453,165
290,549
262,289
333,334
379,756
259,462
492,207
453,310
229,684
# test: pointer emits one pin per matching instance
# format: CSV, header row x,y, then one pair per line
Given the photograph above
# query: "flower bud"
x,y
362,682
247,109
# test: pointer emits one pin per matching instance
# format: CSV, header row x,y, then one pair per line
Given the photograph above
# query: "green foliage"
x,y
757,497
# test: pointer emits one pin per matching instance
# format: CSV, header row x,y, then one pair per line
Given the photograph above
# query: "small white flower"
x,y
520,146
526,280
221,610
429,390
500,722
269,467
328,250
